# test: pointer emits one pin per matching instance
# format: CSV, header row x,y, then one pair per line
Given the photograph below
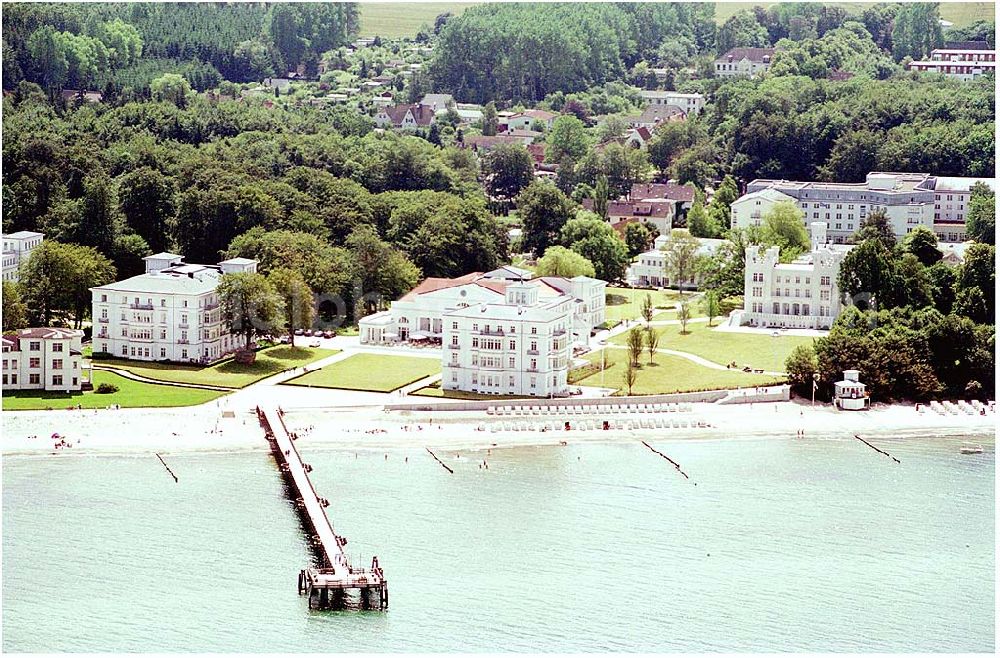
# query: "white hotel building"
x,y
170,313
45,358
691,104
649,270
843,207
802,294
517,347
16,249
499,334
961,64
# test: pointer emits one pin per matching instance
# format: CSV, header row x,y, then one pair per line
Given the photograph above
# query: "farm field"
x,y
394,20
959,13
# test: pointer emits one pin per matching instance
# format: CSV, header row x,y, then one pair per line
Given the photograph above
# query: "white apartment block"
x,y
957,63
649,270
690,103
16,249
799,295
515,347
843,207
170,313
951,204
419,314
43,359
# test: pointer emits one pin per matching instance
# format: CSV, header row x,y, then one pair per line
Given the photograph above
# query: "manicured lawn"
x,y
626,303
394,20
130,394
370,372
436,392
669,374
269,362
959,13
756,350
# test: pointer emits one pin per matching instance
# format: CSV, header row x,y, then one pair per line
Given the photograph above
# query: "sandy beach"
x,y
223,427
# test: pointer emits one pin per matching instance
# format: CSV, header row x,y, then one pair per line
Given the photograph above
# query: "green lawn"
x,y
626,303
370,372
756,350
269,361
668,374
130,394
959,13
397,19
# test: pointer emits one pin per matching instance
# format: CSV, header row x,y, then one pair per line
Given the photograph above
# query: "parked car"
x,y
299,332
329,334
314,343
283,340
309,332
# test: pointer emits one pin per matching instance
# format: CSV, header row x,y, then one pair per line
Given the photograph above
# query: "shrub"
x,y
105,387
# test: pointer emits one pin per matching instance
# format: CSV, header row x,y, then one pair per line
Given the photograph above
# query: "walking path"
x,y
128,374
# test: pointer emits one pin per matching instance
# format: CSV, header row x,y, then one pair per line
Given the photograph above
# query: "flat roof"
x,y
23,235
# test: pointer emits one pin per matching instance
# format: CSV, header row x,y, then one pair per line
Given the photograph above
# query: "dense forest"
x,y
119,48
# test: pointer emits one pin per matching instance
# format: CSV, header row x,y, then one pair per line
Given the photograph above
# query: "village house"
x,y
658,212
16,249
654,115
46,358
405,117
169,313
744,62
526,120
437,103
637,138
691,104
802,294
649,269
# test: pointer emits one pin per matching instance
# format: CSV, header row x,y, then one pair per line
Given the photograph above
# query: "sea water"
x,y
768,545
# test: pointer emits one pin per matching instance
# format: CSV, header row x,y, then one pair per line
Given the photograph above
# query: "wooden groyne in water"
x,y
335,582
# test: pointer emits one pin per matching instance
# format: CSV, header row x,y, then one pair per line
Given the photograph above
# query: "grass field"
x,y
626,303
130,394
395,20
722,347
370,372
959,13
669,374
269,362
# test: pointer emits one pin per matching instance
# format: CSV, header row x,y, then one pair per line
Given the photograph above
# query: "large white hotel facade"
x,y
502,332
169,313
910,200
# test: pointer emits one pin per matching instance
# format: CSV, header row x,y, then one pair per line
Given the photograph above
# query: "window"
x,y
57,364
512,346
184,354
163,334
57,347
163,352
824,281
34,346
104,298
454,325
57,380
534,330
34,362
34,378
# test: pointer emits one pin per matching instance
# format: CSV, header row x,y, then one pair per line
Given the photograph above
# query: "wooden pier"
x,y
335,582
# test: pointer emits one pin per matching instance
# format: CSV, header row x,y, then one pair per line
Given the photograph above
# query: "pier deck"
x,y
330,584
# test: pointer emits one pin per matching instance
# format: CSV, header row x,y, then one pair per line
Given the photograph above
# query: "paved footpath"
x,y
127,374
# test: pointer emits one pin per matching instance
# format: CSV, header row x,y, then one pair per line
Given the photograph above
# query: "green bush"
x,y
105,387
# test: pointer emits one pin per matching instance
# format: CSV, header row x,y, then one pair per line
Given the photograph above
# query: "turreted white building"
x,y
802,294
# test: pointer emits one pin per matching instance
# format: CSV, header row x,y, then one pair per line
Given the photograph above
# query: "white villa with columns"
x,y
170,313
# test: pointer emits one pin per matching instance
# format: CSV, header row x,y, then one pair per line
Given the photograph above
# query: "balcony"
x,y
141,307
209,307
104,320
183,325
183,341
559,332
492,332
533,352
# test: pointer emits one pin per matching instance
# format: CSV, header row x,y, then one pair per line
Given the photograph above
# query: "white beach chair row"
x,y
968,407
588,410
591,425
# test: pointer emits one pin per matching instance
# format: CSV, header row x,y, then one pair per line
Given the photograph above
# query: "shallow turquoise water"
x,y
779,546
